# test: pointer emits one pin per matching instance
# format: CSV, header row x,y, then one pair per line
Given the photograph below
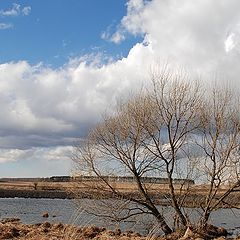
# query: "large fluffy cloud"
x,y
201,35
47,107
44,111
41,106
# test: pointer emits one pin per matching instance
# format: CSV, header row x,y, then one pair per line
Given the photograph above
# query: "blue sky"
x,y
65,62
54,31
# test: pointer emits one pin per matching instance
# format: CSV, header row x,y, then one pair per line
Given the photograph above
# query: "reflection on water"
x,y
66,211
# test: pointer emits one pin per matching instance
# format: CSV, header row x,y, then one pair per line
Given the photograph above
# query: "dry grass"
x,y
125,187
14,229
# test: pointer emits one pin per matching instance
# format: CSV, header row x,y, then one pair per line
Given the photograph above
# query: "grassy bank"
x,y
14,229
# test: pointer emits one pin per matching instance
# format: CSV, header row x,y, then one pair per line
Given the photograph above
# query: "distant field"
x,y
66,186
35,185
159,192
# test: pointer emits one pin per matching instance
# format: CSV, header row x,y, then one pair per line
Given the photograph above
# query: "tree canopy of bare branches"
x,y
156,133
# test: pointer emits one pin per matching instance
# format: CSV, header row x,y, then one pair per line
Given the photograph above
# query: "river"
x,y
30,210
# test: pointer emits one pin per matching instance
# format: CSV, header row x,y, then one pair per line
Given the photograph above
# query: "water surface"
x,y
30,210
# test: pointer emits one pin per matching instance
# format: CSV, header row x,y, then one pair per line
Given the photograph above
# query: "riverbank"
x,y
194,197
13,229
60,190
52,194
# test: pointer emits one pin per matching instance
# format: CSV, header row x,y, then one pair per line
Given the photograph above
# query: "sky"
x,y
64,63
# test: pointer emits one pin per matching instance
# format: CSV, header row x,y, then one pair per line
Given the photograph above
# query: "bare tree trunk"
x,y
164,226
175,203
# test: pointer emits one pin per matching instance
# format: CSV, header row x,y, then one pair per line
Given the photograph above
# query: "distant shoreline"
x,y
10,193
73,189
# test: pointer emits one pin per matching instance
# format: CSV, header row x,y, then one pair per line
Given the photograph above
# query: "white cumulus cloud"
x,y
44,104
195,34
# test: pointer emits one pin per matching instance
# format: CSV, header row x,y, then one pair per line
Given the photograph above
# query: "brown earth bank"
x,y
12,228
11,193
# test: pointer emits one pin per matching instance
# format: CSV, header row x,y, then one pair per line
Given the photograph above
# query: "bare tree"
x,y
177,102
145,137
120,141
156,133
220,142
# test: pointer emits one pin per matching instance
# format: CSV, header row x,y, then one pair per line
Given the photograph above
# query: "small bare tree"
x,y
220,142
